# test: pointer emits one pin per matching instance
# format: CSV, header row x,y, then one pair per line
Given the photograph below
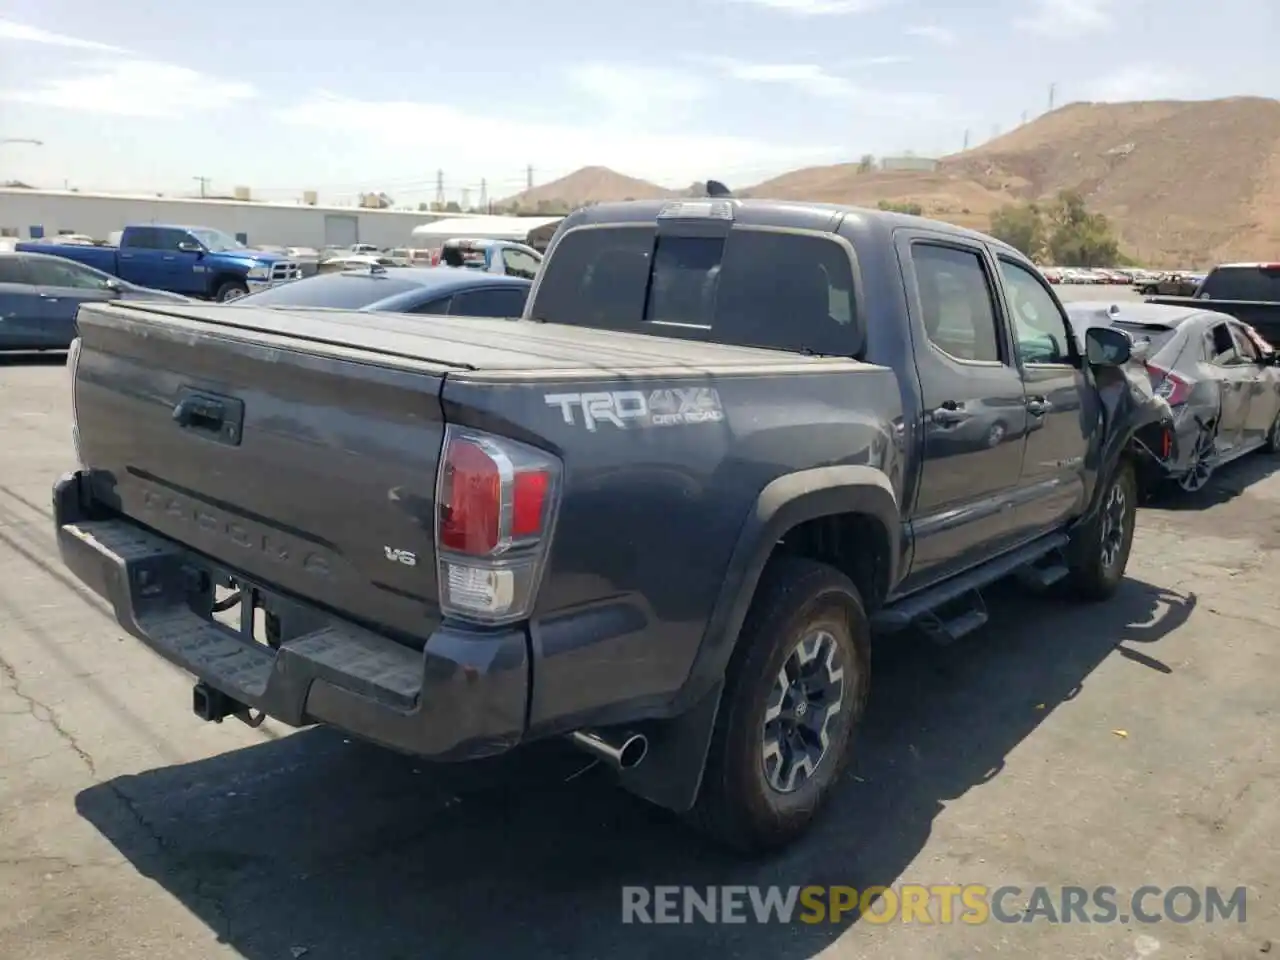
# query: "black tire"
x,y
737,804
1273,437
1098,555
230,290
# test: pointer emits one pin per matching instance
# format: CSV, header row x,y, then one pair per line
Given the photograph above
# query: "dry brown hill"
x,y
1184,182
588,185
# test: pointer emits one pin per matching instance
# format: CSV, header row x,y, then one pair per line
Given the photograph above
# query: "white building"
x,y
30,214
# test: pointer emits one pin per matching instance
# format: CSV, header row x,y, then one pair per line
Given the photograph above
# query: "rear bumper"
x,y
464,696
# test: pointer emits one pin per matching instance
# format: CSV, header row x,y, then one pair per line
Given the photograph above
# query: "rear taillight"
x,y
73,365
1174,389
495,507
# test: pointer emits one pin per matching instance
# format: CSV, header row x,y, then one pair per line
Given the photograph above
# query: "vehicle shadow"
x,y
31,358
312,841
1225,485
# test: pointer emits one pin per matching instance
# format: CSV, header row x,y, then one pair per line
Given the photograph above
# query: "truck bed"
x,y
324,444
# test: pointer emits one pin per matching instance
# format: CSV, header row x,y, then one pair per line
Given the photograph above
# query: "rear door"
x,y
63,287
490,302
1234,376
19,304
975,413
139,257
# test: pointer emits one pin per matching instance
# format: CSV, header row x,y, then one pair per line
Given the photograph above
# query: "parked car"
x,y
1250,292
660,516
194,261
1218,375
505,257
339,262
1168,285
40,295
434,290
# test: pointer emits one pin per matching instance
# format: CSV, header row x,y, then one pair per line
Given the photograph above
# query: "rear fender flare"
x,y
672,776
783,504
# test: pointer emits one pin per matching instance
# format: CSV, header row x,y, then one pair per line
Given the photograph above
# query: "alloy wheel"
x,y
807,695
1113,521
1201,469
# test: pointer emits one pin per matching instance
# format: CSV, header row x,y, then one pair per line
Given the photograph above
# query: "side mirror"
x,y
113,285
190,246
1107,347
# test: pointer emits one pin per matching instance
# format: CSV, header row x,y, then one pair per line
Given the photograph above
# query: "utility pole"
x,y
440,187
966,140
1053,89
484,194
528,177
204,185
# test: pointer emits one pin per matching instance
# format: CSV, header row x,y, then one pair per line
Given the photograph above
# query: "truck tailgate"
x,y
302,463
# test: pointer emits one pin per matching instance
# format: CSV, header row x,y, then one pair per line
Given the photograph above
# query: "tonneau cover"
x,y
479,343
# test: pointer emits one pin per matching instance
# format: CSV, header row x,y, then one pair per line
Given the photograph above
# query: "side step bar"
x,y
923,607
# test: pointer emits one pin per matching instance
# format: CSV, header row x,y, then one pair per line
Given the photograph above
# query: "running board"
x,y
900,615
946,630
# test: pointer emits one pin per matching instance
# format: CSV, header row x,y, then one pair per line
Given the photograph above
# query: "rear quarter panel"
x,y
651,513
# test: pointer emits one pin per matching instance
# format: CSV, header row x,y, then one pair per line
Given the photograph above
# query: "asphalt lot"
x,y
1123,744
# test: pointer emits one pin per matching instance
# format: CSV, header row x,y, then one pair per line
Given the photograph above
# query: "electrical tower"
x,y
484,194
440,187
966,140
528,177
1053,89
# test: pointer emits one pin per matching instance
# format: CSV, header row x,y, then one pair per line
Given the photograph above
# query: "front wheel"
x,y
794,695
1099,550
231,290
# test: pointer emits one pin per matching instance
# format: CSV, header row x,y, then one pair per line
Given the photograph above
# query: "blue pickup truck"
x,y
194,261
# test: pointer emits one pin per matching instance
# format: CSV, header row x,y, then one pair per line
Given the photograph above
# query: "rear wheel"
x,y
1099,550
1273,437
794,696
1201,467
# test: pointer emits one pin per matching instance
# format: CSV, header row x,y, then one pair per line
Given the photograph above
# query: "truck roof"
x,y
874,224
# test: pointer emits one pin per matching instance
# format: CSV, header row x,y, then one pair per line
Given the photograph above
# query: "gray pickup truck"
x,y
662,515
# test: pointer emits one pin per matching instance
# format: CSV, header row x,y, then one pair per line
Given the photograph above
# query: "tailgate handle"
x,y
218,418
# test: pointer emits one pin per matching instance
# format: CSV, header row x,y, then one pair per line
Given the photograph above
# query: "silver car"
x,y
1220,378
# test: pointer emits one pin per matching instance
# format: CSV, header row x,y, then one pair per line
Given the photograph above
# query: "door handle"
x,y
48,299
171,258
948,414
1038,406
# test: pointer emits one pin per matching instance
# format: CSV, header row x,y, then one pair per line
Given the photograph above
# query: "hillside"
x,y
588,185
1186,183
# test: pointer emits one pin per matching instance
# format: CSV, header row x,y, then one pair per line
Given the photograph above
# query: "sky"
x,y
290,96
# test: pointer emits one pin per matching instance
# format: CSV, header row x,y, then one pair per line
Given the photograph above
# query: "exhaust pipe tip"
x,y
623,752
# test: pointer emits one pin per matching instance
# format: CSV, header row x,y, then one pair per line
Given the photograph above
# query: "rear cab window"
x,y
753,286
1252,282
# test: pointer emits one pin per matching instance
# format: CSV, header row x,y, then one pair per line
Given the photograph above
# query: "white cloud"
x,y
132,88
818,8
934,34
816,81
25,33
1068,18
632,92
473,140
1140,81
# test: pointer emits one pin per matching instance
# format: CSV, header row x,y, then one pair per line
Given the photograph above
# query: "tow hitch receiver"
x,y
212,704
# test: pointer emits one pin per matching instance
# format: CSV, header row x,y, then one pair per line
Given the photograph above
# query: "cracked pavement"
x,y
130,829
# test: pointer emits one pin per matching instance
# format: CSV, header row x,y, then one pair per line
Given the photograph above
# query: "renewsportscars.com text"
x,y
932,904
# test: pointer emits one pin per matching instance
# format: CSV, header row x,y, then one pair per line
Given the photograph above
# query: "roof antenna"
x,y
717,189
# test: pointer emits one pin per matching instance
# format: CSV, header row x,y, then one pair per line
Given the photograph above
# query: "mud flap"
x,y
671,773
1131,415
